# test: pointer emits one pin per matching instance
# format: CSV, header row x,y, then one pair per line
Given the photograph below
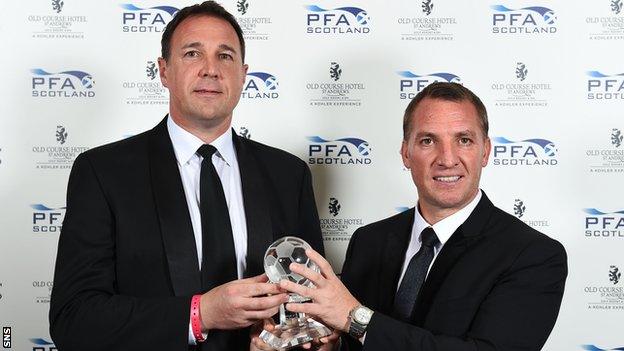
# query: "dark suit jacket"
x,y
127,264
496,284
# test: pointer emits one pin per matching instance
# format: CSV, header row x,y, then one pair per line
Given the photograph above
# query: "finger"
x,y
262,278
268,324
330,338
254,316
307,308
320,261
260,344
262,303
313,276
261,289
297,289
307,346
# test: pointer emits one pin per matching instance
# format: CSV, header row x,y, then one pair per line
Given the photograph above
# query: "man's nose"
x,y
447,155
209,69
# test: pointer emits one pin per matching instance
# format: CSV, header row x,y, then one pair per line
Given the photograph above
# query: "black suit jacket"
x,y
127,264
496,284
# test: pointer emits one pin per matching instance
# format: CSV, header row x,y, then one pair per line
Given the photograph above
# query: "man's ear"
x,y
162,68
405,154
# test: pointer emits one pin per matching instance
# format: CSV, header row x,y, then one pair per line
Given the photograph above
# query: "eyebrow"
x,y
460,134
197,44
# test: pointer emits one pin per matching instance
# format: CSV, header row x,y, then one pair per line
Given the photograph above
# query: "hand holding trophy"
x,y
294,328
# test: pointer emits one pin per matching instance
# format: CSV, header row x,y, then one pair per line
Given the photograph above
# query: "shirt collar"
x,y
185,144
446,227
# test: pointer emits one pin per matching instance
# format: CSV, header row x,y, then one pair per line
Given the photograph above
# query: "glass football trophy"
x,y
294,328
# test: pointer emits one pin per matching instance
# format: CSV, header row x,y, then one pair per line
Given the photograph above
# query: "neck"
x,y
434,214
208,131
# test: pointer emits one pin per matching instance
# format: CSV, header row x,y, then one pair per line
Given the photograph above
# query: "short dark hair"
x,y
447,92
206,8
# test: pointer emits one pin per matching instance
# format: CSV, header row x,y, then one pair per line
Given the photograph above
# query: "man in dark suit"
x,y
144,263
454,273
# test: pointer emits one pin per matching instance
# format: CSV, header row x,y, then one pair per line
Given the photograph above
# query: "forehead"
x,y
203,29
437,116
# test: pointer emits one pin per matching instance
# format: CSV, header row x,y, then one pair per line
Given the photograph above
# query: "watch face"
x,y
362,315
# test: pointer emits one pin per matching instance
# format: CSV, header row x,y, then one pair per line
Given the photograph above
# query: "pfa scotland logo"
x,y
602,86
603,224
526,20
260,85
341,20
342,151
411,83
47,219
61,135
528,152
40,344
136,19
65,84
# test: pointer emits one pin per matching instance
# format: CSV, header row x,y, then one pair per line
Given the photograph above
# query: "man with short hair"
x,y
165,232
455,273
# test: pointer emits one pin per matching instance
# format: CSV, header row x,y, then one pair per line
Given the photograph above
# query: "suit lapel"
x,y
257,212
466,235
175,222
392,260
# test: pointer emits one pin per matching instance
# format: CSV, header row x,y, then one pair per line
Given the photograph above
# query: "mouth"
x,y
448,179
207,92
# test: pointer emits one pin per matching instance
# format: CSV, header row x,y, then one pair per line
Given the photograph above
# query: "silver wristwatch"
x,y
359,317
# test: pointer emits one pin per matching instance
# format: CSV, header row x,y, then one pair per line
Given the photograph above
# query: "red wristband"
x,y
196,318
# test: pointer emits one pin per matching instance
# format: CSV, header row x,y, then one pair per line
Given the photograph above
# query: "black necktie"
x,y
414,276
218,254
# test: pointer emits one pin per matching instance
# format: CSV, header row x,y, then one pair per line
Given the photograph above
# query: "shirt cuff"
x,y
191,337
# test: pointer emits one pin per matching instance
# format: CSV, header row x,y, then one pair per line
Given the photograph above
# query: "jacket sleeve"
x,y
518,313
86,310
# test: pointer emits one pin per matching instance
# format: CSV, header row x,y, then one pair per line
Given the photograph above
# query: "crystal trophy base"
x,y
294,328
285,337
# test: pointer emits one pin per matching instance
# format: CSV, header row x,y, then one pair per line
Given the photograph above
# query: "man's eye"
x,y
426,141
465,141
225,56
191,53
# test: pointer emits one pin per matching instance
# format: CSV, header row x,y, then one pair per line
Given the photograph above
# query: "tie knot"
x,y
206,151
429,237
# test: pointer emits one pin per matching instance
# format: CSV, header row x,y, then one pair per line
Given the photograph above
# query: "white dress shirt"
x,y
185,147
443,229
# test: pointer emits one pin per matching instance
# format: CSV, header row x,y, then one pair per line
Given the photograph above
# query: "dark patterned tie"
x,y
219,257
414,276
